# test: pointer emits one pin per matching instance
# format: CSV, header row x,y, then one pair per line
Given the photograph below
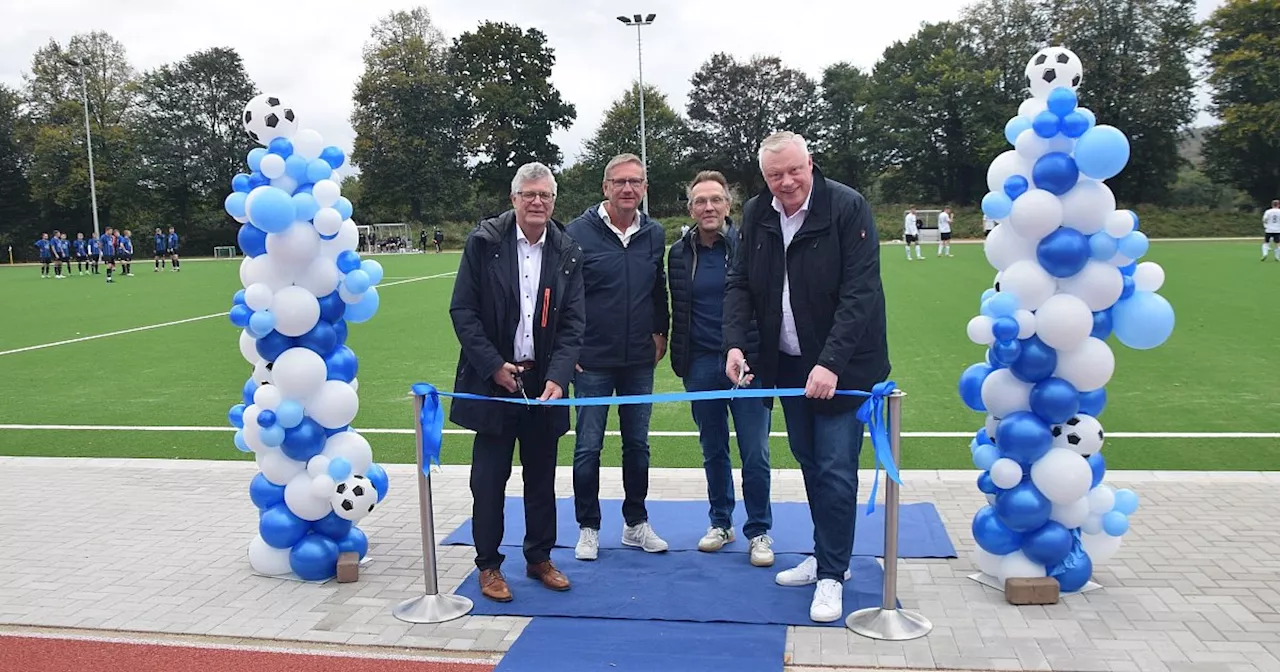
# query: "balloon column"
x,y
303,284
1067,279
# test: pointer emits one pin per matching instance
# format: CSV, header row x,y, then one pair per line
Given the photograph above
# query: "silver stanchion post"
x,y
433,606
888,621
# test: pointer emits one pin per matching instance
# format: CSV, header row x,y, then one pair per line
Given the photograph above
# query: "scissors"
x,y
742,373
520,385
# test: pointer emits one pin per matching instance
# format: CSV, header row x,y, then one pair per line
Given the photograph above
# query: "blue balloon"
x,y
1045,124
289,414
240,315
236,415
1127,288
262,321
272,436
333,526
1015,186
252,240
331,307
1134,245
1055,172
1014,127
1098,466
322,339
378,479
254,160
340,328
1048,545
1055,401
993,535
1023,437
1102,246
994,363
333,156
1074,124
263,493
1134,215
1088,115
237,299
305,207
304,441
357,281
987,294
1129,268
304,189
331,432
1005,304
1006,352
1093,401
318,169
1036,362
365,309
985,485
1022,508
1074,572
1102,152
971,386
342,365
315,558
241,443
281,146
271,210
234,203
1101,325
339,469
257,179
280,528
982,437
1062,101
344,208
1126,502
996,205
266,418
1004,328
356,542
246,393
1115,524
372,269
296,167
348,261
1063,253
1142,321
273,345
240,183
984,456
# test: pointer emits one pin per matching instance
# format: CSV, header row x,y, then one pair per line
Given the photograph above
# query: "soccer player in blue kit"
x,y
108,243
81,251
162,246
46,255
126,253
173,248
57,245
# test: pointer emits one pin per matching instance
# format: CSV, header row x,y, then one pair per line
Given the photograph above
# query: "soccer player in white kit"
x,y
911,233
1271,230
944,232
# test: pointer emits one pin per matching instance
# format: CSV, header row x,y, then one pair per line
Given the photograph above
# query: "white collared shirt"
x,y
944,223
909,225
624,236
788,339
529,264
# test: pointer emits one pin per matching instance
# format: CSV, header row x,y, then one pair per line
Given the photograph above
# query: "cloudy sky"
x,y
309,53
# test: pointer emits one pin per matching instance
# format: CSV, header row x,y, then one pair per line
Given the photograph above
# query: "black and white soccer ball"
x,y
267,117
1051,68
354,498
1082,434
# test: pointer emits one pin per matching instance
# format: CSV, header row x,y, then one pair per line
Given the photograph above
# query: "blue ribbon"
x,y
871,413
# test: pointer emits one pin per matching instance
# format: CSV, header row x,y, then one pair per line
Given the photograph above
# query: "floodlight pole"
x,y
640,21
88,137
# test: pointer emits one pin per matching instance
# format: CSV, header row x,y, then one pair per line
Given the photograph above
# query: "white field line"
x,y
176,322
397,430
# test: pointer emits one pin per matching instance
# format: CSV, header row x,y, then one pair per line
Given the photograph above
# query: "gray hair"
x,y
778,141
625,158
530,172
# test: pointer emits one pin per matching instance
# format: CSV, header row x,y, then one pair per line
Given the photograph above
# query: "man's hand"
x,y
821,384
735,367
660,348
505,377
551,392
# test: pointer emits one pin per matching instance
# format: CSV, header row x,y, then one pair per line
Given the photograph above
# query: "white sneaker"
x,y
643,536
828,602
588,547
762,551
715,539
802,574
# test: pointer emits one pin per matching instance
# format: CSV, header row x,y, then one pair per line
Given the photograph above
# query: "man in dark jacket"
x,y
696,272
626,337
808,273
517,310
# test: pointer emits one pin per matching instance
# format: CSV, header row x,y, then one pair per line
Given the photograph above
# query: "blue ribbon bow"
x,y
432,421
874,414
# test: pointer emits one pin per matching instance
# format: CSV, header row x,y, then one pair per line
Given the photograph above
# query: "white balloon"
x,y
986,562
322,485
1062,476
327,220
318,466
1088,367
1119,224
1093,524
1071,515
1026,323
1102,499
1036,214
1098,284
247,266
1086,206
258,296
320,277
308,144
1148,277
1004,246
991,424
355,384
296,311
268,270
1063,322
299,373
347,239
266,560
1031,146
286,184
1018,566
278,467
979,330
334,405
298,244
249,347
1028,281
1005,166
353,448
1100,547
1061,144
1032,107
1119,260
326,193
272,166
302,502
1003,393
267,397
1005,473
252,432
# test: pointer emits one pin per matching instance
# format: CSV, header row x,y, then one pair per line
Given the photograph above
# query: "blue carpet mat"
x,y
921,533
689,586
603,645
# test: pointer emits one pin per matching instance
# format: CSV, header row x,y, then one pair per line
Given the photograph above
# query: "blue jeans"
x,y
633,421
827,448
751,420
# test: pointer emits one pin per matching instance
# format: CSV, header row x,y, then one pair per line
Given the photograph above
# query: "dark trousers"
x,y
827,448
633,422
491,456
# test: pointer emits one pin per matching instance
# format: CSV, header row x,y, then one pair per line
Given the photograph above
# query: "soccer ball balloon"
x,y
1051,68
1082,433
266,118
354,498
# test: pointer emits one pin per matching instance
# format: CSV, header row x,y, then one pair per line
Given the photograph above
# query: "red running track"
x,y
47,654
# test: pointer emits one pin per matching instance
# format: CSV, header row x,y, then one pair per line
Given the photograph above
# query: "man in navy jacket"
x,y
626,337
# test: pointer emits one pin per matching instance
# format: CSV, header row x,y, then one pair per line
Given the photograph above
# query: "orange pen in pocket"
x,y
546,305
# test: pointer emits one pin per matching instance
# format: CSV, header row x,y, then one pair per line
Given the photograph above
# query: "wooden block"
x,y
1031,591
349,567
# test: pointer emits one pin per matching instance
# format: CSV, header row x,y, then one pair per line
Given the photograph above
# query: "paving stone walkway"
x,y
158,546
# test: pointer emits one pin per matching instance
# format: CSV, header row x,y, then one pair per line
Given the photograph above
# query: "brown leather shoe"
x,y
494,586
547,573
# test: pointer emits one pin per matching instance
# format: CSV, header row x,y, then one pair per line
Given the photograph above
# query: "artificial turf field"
x,y
1217,373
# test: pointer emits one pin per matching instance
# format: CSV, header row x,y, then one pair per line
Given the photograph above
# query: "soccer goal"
x,y
393,237
224,252
927,222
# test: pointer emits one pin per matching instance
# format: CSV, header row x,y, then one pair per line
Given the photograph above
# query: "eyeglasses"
x,y
635,182
531,196
702,201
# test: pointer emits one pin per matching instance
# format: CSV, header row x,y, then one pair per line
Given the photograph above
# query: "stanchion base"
x,y
432,608
895,625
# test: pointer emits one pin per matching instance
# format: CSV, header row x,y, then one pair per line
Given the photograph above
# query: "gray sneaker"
x,y
642,536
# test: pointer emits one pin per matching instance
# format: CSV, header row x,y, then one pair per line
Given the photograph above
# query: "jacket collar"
x,y
502,228
818,218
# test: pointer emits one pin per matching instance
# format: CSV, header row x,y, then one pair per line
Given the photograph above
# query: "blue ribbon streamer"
x,y
872,413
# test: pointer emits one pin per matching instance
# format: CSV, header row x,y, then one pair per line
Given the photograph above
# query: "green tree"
x,y
504,76
619,133
1244,57
1004,34
842,146
410,122
18,226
